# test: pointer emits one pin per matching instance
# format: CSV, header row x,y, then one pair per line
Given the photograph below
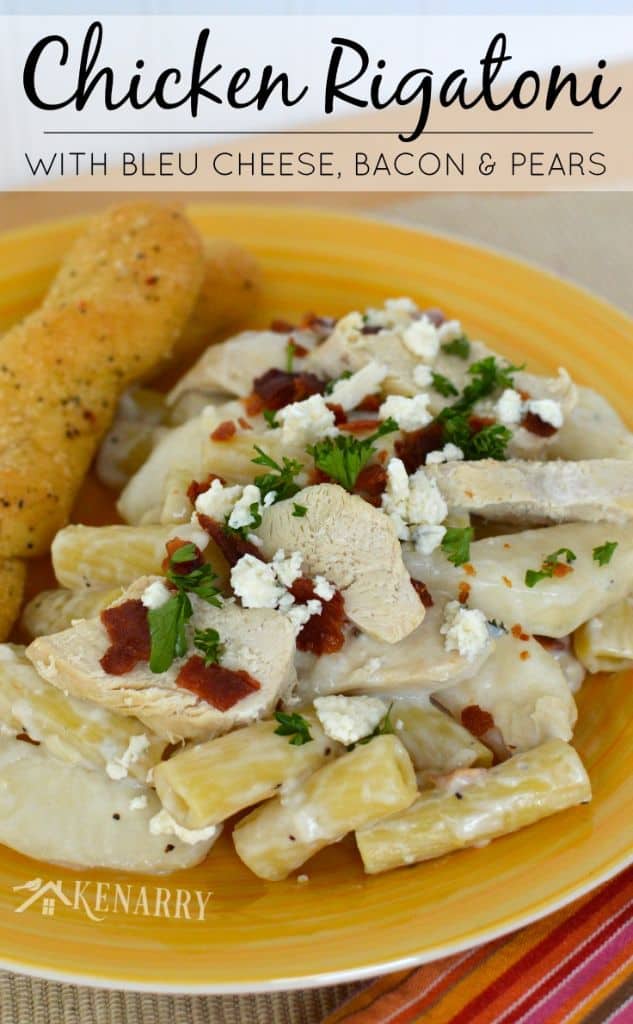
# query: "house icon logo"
x,y
48,892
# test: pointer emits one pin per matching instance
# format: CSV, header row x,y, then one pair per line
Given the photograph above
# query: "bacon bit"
x,y
323,633
340,416
551,643
413,447
230,544
537,426
181,568
152,279
562,569
524,655
298,350
282,326
476,720
24,736
464,592
436,316
518,634
422,592
360,426
317,476
371,480
220,687
244,424
477,423
278,388
198,487
370,329
507,581
370,403
128,630
253,404
322,326
224,431
469,569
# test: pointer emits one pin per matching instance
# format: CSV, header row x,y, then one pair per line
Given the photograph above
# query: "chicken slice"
x,y
259,641
355,546
232,366
65,814
418,662
522,686
538,492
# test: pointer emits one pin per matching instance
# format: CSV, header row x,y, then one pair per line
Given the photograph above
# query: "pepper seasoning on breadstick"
x,y
114,312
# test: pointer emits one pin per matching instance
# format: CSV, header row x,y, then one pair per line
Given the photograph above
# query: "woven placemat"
x,y
32,1001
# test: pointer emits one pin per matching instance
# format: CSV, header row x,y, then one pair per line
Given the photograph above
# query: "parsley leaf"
x,y
384,728
548,568
167,623
459,347
489,443
282,478
443,385
208,641
342,457
604,553
299,510
254,521
488,376
270,416
290,356
295,726
456,543
456,428
329,387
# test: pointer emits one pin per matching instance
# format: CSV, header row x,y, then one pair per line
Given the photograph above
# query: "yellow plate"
x,y
340,925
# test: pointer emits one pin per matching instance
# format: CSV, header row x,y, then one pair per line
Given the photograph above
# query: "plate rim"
x,y
484,934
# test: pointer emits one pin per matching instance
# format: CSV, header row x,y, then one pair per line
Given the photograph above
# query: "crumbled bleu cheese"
x,y
306,422
422,339
192,533
349,719
299,614
162,824
509,407
402,305
350,391
218,500
247,508
422,376
547,410
155,595
138,803
449,331
118,767
395,498
449,453
255,583
426,504
287,569
465,630
323,588
427,538
409,413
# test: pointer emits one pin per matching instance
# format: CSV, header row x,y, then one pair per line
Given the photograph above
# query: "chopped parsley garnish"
x,y
488,376
254,521
208,641
298,511
342,457
270,416
443,385
167,623
548,568
459,347
282,478
489,443
604,553
290,356
295,726
329,387
456,543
